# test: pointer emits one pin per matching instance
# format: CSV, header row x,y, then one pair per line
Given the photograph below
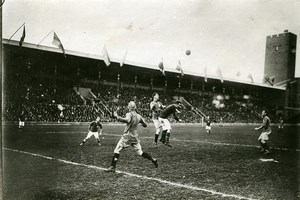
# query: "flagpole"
x,y
2,3
44,37
16,31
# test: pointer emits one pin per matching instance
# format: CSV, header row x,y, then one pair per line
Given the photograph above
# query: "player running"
x,y
264,136
155,107
130,137
166,126
95,129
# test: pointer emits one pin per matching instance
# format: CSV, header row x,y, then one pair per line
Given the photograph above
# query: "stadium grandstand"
x,y
40,80
203,93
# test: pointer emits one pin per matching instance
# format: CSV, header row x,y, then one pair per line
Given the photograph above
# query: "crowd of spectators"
x,y
45,100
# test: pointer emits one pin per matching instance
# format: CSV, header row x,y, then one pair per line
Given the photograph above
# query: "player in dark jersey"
x,y
95,129
130,136
21,121
266,130
221,122
208,126
280,126
166,126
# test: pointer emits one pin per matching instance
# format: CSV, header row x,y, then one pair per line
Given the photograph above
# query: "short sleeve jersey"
x,y
156,107
94,126
266,123
131,126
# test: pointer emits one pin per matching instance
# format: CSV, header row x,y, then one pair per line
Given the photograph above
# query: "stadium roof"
x,y
100,57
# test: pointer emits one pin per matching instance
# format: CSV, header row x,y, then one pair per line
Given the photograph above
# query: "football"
x,y
188,52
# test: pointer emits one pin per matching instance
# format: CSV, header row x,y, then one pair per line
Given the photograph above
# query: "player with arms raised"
x,y
130,136
155,107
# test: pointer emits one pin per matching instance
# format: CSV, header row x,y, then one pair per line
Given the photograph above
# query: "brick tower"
x,y
280,56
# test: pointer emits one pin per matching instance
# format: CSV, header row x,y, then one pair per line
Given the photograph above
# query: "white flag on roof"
x,y
105,56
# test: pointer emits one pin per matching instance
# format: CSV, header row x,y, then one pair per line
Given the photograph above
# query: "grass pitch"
x,y
46,162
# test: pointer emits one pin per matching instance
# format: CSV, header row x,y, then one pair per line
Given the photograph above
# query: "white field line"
x,y
212,192
196,141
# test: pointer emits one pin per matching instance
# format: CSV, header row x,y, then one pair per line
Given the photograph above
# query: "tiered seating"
x,y
40,99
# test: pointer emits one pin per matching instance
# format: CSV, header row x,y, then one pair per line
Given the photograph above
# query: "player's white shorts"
x,y
264,136
21,123
208,128
126,141
90,134
165,124
156,123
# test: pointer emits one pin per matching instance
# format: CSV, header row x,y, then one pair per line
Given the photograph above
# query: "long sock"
x,y
98,141
262,144
163,135
168,137
115,159
156,138
266,146
146,155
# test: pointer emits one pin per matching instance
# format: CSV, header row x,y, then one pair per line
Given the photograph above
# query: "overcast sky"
x,y
230,34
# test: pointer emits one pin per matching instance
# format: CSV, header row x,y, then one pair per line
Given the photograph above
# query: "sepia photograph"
x,y
150,99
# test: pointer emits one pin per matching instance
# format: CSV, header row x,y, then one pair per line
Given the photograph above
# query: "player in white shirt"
x,y
130,136
156,107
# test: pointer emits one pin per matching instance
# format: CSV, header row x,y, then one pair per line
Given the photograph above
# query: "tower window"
x,y
276,48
